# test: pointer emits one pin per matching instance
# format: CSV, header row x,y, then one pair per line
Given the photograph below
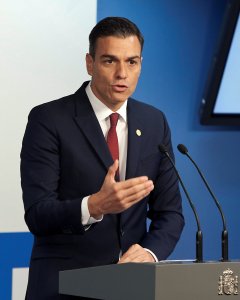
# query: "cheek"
x,y
135,79
102,76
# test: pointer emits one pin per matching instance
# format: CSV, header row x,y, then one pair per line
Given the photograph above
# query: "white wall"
x,y
19,283
42,50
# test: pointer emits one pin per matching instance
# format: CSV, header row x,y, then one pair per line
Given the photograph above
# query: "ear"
x,y
140,66
89,64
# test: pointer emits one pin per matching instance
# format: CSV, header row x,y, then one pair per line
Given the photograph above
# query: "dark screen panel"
x,y
221,101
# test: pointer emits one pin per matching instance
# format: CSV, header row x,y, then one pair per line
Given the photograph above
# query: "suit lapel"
x,y
135,131
88,124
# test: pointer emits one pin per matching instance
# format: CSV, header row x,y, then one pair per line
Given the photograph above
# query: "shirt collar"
x,y
101,110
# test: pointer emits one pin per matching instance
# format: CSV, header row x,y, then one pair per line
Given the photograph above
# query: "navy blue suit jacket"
x,y
65,158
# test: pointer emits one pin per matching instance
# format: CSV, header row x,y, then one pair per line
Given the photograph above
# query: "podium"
x,y
154,281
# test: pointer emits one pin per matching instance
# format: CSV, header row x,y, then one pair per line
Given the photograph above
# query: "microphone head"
x,y
162,148
183,149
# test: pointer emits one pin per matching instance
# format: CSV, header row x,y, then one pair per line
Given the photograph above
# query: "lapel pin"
x,y
138,132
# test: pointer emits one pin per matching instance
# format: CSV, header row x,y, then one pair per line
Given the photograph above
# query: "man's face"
x,y
115,69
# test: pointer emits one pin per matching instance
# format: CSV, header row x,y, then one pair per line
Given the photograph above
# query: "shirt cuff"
x,y
86,218
153,255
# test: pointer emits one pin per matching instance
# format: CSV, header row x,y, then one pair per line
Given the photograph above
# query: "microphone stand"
x,y
199,235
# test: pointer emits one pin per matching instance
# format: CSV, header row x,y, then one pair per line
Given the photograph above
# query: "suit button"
x,y
122,232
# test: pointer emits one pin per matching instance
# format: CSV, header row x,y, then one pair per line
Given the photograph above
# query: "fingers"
x,y
131,190
137,192
126,197
133,181
115,197
124,194
136,254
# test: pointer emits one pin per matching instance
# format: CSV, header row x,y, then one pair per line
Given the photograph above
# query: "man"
x,y
88,185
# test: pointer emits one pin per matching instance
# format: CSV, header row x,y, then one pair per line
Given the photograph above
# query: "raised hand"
x,y
115,197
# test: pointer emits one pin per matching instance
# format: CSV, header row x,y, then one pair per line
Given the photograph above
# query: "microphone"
x,y
183,149
199,236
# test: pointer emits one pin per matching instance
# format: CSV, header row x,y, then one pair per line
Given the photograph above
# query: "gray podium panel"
x,y
154,281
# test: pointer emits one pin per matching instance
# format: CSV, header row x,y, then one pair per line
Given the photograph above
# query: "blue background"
x,y
180,39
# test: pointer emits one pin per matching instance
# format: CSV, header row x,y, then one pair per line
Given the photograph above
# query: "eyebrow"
x,y
116,58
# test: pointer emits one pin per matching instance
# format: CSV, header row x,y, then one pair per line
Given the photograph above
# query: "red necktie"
x,y
112,139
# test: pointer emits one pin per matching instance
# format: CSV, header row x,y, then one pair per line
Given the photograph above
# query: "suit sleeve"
x,y
45,212
165,207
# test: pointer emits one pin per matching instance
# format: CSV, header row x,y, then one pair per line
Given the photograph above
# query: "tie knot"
x,y
114,119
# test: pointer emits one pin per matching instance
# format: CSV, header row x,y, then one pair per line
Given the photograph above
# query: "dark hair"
x,y
113,26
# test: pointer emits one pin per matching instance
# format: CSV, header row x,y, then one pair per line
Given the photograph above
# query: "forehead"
x,y
113,45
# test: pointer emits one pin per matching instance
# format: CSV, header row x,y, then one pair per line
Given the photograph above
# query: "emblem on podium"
x,y
228,283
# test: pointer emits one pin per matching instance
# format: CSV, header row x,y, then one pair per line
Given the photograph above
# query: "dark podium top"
x,y
154,281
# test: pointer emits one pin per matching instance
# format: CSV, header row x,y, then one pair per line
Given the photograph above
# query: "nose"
x,y
121,71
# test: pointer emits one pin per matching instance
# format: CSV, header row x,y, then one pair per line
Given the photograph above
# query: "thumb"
x,y
113,169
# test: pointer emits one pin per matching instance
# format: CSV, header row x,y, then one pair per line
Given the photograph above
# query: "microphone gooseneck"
x,y
183,149
199,236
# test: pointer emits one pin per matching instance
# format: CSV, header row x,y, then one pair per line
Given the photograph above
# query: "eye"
x,y
108,61
132,62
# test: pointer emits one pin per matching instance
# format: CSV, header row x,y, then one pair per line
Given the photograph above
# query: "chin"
x,y
121,100
121,97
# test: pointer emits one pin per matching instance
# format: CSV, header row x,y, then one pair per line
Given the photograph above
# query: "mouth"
x,y
119,87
